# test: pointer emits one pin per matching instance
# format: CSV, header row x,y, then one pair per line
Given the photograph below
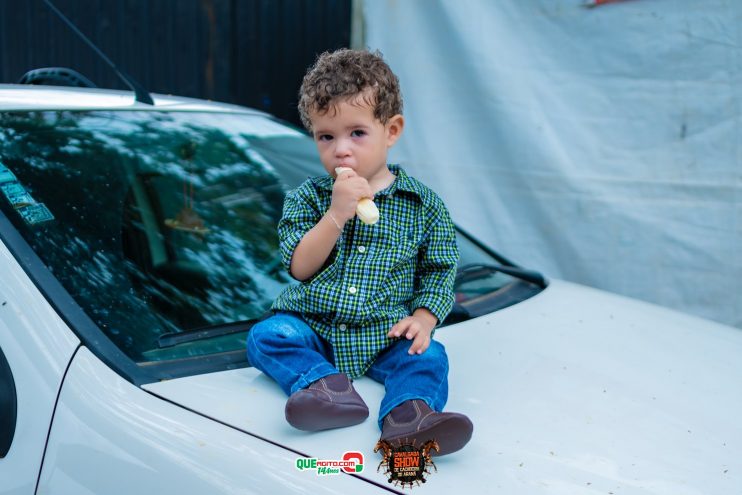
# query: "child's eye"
x,y
324,137
358,133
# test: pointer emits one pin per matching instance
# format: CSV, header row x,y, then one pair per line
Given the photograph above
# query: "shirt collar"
x,y
402,182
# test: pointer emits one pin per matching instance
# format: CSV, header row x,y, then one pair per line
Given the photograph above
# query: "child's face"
x,y
349,135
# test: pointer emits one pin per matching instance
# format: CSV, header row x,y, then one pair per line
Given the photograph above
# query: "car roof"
x,y
37,97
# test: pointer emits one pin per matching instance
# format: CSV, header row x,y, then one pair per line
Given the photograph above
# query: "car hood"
x,y
573,391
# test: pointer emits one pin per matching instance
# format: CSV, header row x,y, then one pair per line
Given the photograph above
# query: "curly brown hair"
x,y
347,74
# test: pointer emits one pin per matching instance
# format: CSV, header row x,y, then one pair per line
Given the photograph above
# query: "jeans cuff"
x,y
319,371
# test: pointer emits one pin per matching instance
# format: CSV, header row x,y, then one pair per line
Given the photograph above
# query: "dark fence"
x,y
250,52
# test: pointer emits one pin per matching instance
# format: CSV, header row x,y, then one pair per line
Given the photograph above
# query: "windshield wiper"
x,y
474,271
207,332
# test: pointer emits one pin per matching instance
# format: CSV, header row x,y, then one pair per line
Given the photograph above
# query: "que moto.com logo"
x,y
352,462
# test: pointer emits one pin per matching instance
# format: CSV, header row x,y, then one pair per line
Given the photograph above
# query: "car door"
x,y
35,349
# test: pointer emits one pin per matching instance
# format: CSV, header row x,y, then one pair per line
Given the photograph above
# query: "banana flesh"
x,y
366,210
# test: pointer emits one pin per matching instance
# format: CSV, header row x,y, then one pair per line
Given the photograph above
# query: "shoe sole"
x,y
452,434
308,413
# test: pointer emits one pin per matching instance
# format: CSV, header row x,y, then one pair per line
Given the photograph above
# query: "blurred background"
x,y
595,141
248,52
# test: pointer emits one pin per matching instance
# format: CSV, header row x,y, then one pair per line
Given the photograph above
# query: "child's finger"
x,y
412,331
399,328
420,344
367,191
393,331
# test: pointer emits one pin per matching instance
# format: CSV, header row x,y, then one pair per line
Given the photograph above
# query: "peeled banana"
x,y
366,210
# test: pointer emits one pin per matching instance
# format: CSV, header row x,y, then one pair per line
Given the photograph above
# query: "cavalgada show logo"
x,y
405,463
351,462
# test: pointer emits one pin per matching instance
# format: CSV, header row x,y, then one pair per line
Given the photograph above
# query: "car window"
x,y
154,222
163,222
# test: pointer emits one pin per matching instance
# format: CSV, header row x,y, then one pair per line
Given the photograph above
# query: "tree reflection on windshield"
x,y
162,221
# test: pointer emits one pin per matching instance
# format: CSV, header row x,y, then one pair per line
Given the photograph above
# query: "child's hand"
x,y
348,189
419,327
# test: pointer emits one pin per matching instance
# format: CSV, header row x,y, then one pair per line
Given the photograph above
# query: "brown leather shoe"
x,y
413,421
330,402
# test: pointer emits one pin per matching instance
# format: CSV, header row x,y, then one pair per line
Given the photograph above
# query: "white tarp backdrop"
x,y
598,145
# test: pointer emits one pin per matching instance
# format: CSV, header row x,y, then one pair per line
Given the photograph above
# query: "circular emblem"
x,y
404,463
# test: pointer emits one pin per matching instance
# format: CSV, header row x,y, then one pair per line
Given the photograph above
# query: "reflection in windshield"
x,y
162,222
166,222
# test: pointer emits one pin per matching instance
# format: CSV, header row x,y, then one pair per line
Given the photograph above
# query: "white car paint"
x,y
23,97
38,346
572,391
111,437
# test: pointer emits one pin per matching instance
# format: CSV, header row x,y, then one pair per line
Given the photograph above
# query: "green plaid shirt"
x,y
376,274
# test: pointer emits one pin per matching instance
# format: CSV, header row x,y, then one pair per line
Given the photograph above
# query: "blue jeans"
x,y
286,348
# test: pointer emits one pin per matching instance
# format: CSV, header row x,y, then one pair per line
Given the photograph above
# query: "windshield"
x,y
159,223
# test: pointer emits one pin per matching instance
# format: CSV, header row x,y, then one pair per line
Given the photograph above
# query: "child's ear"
x,y
394,128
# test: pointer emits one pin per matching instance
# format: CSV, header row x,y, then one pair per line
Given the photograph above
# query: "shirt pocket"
x,y
404,254
406,249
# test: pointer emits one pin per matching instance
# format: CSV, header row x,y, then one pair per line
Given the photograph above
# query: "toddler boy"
x,y
370,295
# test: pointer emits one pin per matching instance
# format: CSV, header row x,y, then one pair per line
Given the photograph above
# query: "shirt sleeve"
x,y
300,214
438,258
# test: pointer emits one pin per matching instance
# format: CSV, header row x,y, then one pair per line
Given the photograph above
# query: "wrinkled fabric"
x,y
598,145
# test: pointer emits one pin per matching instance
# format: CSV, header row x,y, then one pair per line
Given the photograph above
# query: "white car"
x,y
138,243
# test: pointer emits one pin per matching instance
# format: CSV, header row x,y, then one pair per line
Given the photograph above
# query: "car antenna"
x,y
142,95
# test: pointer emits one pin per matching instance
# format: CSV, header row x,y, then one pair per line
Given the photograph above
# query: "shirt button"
x,y
352,290
342,327
361,249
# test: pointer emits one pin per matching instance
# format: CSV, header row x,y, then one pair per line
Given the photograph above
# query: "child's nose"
x,y
342,148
